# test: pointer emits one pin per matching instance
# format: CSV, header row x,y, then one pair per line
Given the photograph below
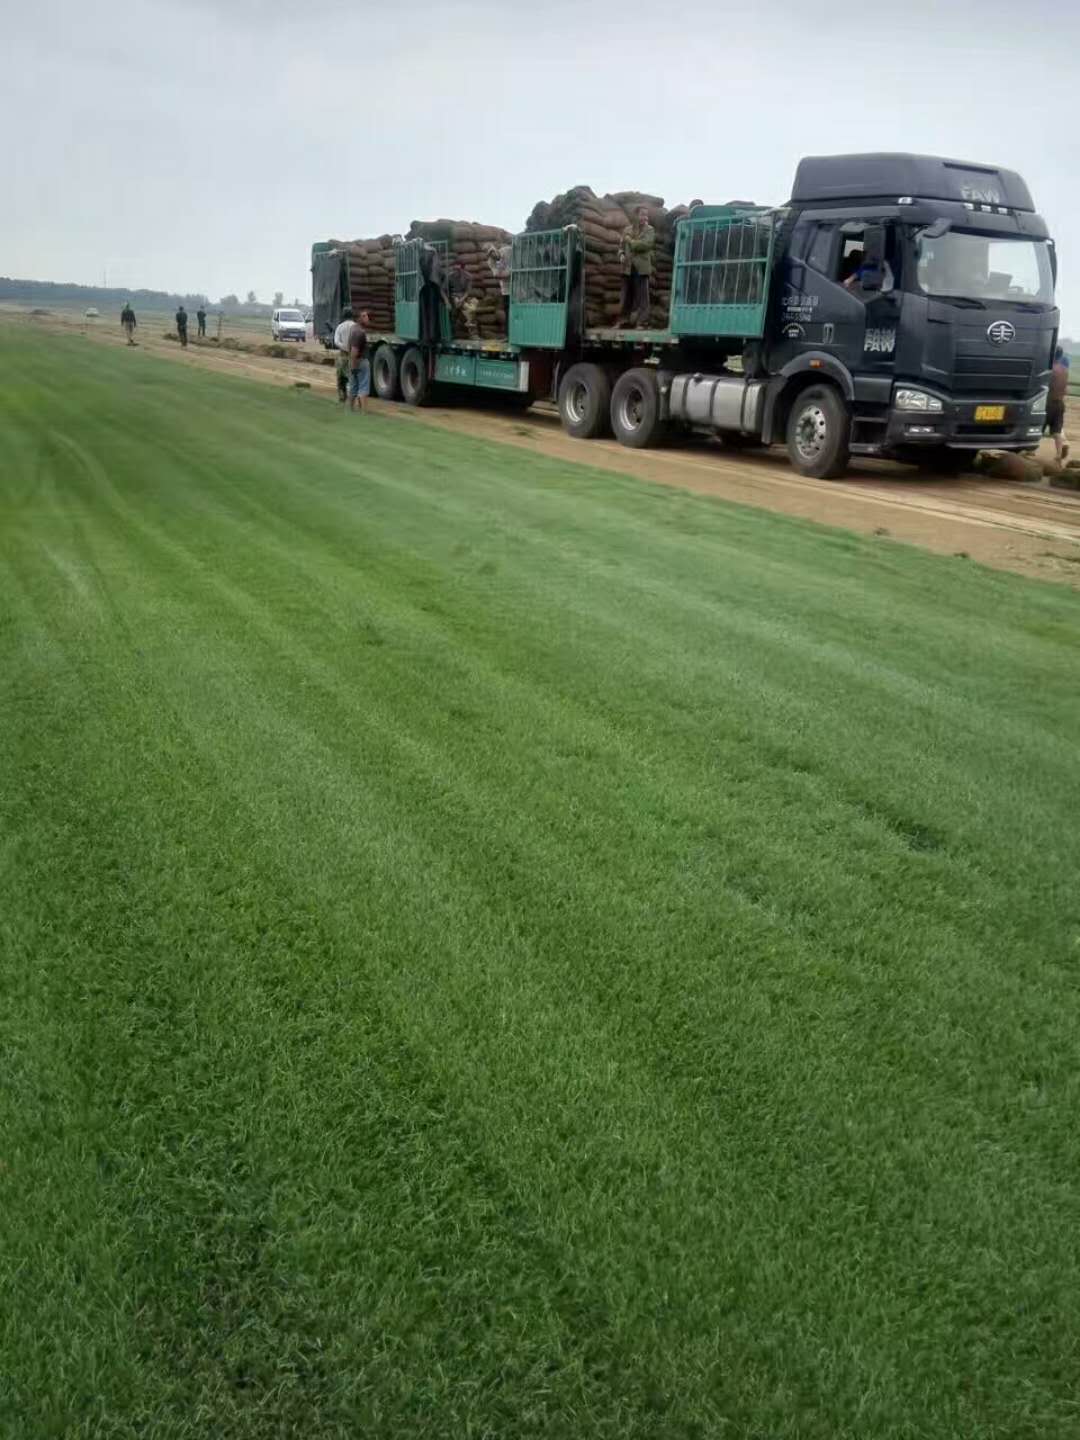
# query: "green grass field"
x,y
496,949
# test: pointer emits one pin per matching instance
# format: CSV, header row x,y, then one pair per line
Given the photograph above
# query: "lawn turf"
x,y
495,949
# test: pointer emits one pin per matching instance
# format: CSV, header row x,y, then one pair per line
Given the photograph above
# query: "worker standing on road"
x,y
181,325
200,316
636,252
359,365
1055,404
341,345
128,322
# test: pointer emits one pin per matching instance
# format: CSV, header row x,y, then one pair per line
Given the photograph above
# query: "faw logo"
x,y
1001,332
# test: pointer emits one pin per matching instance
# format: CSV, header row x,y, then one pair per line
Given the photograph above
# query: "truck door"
x,y
822,306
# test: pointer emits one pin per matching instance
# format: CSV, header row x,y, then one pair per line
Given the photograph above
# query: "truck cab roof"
x,y
832,179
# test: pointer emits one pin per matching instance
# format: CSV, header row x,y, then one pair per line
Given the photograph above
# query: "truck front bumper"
x,y
971,424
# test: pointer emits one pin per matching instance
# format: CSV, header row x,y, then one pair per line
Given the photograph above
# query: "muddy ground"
x,y
1032,530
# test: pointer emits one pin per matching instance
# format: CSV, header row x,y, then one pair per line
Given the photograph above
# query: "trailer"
x,y
897,306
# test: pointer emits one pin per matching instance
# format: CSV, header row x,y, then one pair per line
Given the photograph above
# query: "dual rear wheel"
x,y
400,377
590,407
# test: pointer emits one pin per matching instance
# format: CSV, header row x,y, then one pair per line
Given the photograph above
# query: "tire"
x,y
386,373
635,409
585,401
819,433
415,385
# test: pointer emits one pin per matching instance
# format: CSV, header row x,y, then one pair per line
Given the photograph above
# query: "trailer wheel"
x,y
585,401
415,385
819,433
635,409
386,373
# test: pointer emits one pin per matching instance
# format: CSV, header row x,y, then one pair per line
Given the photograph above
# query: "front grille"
x,y
993,374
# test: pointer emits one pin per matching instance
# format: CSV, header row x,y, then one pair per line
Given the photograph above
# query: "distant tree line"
x,y
49,292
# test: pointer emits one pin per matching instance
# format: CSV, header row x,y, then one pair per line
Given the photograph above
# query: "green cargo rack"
x,y
407,285
543,265
723,262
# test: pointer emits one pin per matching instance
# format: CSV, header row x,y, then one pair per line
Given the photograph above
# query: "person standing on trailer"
x,y
128,322
636,254
499,262
341,345
181,325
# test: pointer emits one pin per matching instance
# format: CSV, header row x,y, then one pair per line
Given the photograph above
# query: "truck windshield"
x,y
960,265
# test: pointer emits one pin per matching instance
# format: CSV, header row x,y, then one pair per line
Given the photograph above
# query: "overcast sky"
x,y
201,145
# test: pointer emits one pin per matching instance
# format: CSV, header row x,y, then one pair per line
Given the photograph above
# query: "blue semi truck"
x,y
898,306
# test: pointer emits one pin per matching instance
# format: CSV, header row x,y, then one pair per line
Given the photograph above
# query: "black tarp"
x,y
330,292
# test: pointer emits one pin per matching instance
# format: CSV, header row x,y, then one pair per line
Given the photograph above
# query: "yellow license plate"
x,y
990,414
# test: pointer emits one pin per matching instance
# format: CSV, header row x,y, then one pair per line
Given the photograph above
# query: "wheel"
x,y
585,401
415,385
635,409
819,433
386,373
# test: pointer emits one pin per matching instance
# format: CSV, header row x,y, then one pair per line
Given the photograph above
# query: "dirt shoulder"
x,y
1030,530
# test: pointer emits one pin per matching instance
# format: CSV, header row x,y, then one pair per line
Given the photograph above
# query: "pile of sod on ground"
x,y
491,948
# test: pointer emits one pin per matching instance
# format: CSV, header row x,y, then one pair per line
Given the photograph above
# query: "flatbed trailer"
x,y
897,306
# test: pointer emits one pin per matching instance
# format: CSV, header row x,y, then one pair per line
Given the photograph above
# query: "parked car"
x,y
288,325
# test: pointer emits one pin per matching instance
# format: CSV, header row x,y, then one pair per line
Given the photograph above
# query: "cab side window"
x,y
822,249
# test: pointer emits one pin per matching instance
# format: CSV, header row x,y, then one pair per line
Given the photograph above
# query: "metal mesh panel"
x,y
409,284
722,266
540,265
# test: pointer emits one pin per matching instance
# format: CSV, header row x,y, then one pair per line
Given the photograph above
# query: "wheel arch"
x,y
798,375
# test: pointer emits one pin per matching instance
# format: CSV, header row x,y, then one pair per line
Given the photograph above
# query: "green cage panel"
x,y
541,271
723,261
408,284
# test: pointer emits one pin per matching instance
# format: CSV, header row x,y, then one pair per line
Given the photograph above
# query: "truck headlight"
x,y
1038,405
917,400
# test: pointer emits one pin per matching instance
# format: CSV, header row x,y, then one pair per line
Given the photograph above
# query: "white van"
x,y
288,325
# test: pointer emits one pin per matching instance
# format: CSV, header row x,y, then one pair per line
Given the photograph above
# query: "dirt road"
x,y
1030,530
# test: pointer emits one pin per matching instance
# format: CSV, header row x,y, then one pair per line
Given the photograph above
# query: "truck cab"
x,y
921,290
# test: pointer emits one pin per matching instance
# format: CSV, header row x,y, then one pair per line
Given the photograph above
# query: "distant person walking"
x,y
128,322
200,316
341,345
636,253
181,325
1055,404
